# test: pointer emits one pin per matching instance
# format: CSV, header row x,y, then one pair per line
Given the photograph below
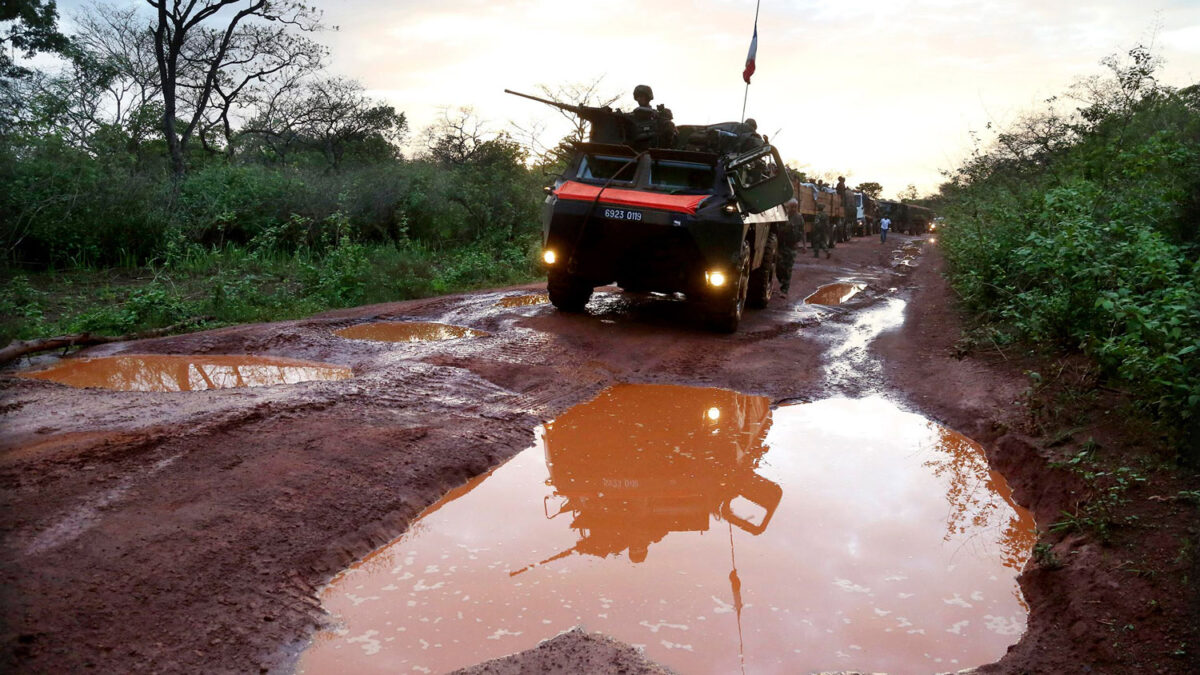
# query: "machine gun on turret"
x,y
641,129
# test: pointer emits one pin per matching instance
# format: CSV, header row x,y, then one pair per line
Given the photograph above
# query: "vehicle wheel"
x,y
762,280
727,312
567,292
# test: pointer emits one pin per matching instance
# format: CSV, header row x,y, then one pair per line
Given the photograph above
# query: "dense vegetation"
x,y
1077,230
273,191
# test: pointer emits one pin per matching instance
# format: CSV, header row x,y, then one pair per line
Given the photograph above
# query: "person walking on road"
x,y
821,233
884,225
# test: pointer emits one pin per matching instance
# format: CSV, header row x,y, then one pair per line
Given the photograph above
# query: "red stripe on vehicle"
x,y
636,198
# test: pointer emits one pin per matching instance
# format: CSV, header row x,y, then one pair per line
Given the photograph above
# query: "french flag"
x,y
750,56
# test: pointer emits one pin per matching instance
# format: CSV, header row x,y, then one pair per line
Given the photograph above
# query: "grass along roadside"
x,y
237,285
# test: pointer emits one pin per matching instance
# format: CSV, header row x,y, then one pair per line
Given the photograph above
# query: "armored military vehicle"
x,y
651,207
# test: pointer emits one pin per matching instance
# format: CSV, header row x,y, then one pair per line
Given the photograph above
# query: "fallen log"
x,y
18,348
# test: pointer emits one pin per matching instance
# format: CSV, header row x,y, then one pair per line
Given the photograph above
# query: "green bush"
x,y
60,206
1090,243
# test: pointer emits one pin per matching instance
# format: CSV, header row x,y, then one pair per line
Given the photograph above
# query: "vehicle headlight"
x,y
715,278
549,256
730,208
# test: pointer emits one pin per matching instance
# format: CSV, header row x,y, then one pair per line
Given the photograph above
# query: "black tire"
x,y
727,310
567,292
762,280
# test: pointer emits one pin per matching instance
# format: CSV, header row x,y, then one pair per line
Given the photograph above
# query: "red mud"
x,y
188,531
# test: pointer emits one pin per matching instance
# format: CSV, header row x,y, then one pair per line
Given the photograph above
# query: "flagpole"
x,y
746,96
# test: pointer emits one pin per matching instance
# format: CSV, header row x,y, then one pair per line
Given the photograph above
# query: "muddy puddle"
x,y
524,300
717,534
408,331
185,373
834,294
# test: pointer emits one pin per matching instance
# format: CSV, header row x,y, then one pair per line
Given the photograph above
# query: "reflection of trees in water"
x,y
184,373
977,497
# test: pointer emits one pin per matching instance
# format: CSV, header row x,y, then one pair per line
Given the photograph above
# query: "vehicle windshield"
x,y
602,168
680,177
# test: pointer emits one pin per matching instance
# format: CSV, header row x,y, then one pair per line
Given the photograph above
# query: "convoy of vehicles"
x,y
694,210
689,210
907,218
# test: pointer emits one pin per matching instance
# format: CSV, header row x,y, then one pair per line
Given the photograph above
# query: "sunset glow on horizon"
x,y
884,91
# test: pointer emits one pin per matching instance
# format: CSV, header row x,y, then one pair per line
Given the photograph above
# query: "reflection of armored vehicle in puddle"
x,y
643,461
692,211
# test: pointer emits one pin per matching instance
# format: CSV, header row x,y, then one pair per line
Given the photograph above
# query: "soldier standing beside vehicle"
x,y
844,226
821,233
789,235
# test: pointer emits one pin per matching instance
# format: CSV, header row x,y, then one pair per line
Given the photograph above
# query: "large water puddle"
x,y
717,534
408,331
146,372
524,300
834,294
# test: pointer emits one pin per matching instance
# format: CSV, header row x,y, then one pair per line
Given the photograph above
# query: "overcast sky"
x,y
884,90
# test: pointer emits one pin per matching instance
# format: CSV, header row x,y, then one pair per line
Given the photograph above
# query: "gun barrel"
x,y
564,106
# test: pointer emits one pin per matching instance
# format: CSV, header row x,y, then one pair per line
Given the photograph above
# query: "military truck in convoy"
x,y
867,222
907,218
652,207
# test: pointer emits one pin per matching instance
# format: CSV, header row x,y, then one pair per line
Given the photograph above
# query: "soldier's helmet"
x,y
643,90
750,122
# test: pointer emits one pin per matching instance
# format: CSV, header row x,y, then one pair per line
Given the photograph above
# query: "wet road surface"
x,y
711,531
407,331
206,520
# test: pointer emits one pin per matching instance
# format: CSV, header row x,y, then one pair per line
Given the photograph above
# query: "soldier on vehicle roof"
x,y
643,94
748,137
653,127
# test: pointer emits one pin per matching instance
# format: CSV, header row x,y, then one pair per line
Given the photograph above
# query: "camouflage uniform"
x,y
822,233
789,236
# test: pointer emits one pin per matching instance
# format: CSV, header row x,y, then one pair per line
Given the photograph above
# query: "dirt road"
x,y
188,531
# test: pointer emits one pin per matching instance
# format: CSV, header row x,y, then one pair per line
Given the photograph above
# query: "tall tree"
x,y
261,60
340,113
329,115
457,138
119,38
191,54
871,189
34,29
